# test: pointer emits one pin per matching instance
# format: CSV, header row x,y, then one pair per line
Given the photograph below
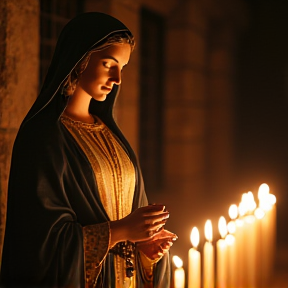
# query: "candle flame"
x,y
263,191
222,226
233,211
208,230
242,209
230,239
195,237
251,202
244,197
259,213
231,227
272,199
266,200
244,204
177,261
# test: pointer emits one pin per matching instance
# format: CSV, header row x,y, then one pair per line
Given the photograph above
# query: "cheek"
x,y
90,77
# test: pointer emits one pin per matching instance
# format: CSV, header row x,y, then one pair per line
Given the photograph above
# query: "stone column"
x,y
19,63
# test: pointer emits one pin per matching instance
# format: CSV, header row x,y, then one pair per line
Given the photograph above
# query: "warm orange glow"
x,y
195,237
177,261
208,230
222,226
233,211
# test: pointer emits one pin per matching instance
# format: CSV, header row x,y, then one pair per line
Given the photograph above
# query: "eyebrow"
x,y
111,57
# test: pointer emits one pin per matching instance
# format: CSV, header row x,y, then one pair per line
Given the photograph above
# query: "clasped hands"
x,y
145,227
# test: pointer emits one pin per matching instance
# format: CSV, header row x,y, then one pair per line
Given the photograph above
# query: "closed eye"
x,y
106,65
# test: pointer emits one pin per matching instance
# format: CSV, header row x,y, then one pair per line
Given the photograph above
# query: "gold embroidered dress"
x,y
115,177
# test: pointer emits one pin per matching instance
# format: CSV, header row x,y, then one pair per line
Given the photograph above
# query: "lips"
x,y
108,89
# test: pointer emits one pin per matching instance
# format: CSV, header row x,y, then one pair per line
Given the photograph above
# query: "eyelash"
x,y
105,64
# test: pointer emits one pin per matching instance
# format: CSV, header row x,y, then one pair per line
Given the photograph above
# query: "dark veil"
x,y
52,190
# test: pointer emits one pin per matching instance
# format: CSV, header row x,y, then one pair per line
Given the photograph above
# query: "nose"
x,y
116,76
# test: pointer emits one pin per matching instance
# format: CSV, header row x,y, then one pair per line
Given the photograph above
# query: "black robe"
x,y
52,189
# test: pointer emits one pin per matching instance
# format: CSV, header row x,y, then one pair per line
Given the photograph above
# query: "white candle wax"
x,y
208,270
208,273
221,266
179,278
221,255
179,273
194,279
194,272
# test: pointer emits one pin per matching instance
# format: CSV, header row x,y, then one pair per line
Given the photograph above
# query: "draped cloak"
x,y
52,191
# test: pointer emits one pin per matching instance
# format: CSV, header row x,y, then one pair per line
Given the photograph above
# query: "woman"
x,y
77,212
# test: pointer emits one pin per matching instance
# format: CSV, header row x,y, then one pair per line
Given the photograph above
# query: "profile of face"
x,y
104,69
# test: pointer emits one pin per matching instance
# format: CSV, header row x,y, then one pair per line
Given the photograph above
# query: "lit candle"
x,y
221,266
232,247
268,230
240,249
260,253
251,243
231,259
179,273
208,271
194,275
241,242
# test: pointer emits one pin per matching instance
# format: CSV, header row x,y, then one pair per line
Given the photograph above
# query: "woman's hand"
x,y
158,245
141,225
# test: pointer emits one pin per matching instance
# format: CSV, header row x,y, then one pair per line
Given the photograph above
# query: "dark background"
x,y
261,134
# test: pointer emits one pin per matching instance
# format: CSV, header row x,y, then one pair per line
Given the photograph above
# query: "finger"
x,y
153,209
153,231
162,238
154,219
165,234
157,228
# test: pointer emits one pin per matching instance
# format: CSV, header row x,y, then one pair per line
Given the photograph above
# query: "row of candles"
x,y
244,254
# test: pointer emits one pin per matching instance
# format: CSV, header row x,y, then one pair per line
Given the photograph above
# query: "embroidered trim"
x,y
96,247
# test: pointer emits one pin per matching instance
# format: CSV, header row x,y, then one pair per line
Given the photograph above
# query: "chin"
x,y
100,98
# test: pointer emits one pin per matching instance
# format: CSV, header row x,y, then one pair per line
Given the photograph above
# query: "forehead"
x,y
120,53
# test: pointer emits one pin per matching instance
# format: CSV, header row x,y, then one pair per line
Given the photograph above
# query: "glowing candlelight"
x,y
240,249
251,242
267,203
221,273
194,274
232,245
233,211
208,271
179,273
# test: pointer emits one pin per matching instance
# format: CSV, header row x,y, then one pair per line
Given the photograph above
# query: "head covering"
x,y
80,35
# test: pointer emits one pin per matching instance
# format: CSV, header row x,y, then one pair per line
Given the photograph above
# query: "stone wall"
x,y
19,50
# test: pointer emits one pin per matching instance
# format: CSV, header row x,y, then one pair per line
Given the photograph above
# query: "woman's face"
x,y
104,70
